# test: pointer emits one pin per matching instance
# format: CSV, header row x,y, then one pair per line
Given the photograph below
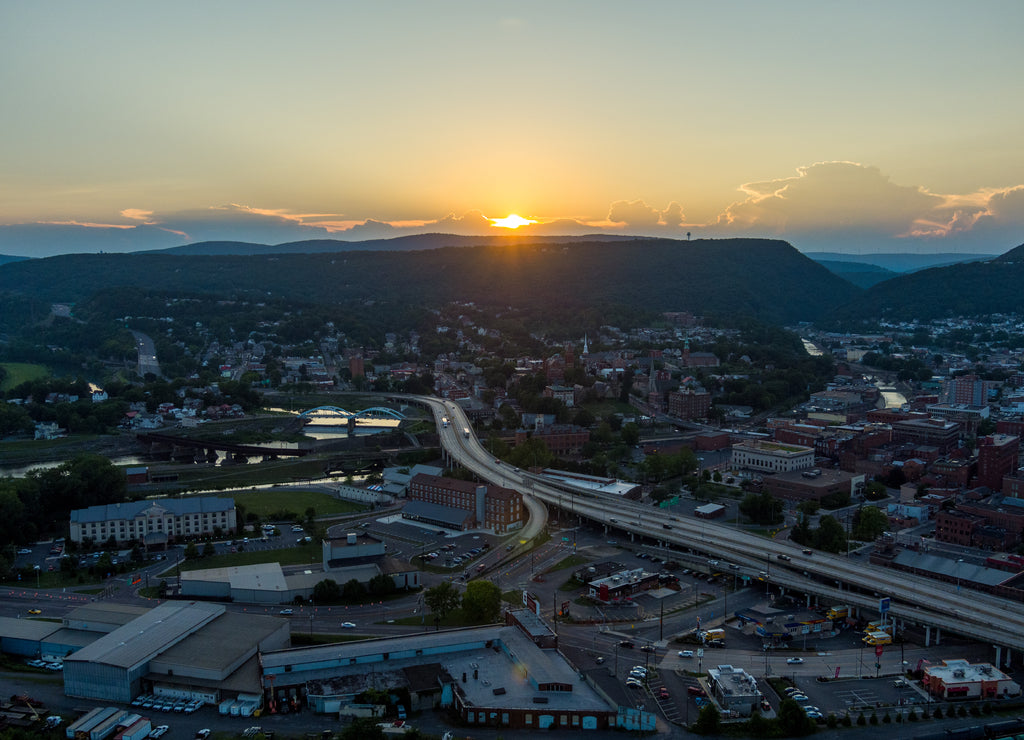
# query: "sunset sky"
x,y
858,127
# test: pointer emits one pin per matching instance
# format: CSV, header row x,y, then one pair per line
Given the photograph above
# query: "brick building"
x,y
997,457
689,403
934,432
492,507
561,439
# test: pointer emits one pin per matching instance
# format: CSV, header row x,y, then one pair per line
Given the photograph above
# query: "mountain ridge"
x,y
764,278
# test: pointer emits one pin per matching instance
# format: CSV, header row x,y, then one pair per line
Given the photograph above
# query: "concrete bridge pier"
x,y
999,654
928,635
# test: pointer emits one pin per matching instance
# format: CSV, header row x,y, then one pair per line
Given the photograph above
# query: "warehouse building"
x,y
180,650
494,676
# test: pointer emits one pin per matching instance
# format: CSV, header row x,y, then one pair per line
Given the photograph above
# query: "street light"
x,y
958,561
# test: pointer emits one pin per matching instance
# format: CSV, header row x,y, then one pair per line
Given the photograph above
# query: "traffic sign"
x,y
883,605
878,650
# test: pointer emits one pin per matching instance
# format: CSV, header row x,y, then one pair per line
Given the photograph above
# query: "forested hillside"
x,y
767,279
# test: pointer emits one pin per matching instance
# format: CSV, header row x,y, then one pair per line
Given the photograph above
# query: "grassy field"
x,y
19,372
308,553
265,503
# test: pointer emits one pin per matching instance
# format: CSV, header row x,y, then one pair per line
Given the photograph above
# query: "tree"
x,y
708,721
326,591
761,508
381,584
869,522
830,535
353,590
630,433
442,599
793,721
481,602
209,550
191,551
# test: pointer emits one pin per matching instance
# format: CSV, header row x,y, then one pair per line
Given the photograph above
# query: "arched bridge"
x,y
374,412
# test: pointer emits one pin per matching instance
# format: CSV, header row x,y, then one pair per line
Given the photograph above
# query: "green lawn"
x,y
308,553
265,503
19,372
568,562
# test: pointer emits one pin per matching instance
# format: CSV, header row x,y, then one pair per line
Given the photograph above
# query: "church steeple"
x,y
586,347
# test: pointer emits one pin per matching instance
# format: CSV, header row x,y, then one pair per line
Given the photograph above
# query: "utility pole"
x,y
661,622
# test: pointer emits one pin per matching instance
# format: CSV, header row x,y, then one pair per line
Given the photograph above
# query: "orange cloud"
x,y
87,224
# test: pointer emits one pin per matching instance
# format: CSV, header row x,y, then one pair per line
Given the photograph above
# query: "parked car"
x,y
159,730
663,693
696,691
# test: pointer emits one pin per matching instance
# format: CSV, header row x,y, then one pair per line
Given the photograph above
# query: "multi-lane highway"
x,y
913,598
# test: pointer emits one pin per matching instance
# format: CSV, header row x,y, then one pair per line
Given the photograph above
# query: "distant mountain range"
x,y
395,244
763,278
900,261
964,289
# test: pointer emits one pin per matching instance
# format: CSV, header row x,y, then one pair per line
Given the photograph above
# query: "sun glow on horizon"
x,y
511,221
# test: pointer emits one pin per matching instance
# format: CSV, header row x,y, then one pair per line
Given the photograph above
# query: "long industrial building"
x,y
184,650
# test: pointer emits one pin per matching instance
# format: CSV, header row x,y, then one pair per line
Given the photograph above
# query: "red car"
x,y
696,691
662,693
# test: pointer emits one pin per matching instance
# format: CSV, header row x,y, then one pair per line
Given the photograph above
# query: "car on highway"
x,y
348,625
599,659
35,611
625,644
648,648
795,661
286,612
685,653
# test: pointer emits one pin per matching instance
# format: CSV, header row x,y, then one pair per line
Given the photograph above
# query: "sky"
x,y
854,127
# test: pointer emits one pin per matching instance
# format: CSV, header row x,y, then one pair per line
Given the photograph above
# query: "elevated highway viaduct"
x,y
913,599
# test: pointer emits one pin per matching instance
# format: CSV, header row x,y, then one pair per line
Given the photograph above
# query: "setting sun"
x,y
511,221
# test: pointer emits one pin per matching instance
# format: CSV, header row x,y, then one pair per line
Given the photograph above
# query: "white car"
x,y
348,625
795,661
685,653
24,551
159,730
286,612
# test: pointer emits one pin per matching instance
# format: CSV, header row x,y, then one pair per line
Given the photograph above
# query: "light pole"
x,y
958,561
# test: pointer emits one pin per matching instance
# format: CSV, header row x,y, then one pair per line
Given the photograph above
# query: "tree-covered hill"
x,y
766,279
967,289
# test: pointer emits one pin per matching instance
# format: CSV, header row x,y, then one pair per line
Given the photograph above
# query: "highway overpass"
x,y
914,599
